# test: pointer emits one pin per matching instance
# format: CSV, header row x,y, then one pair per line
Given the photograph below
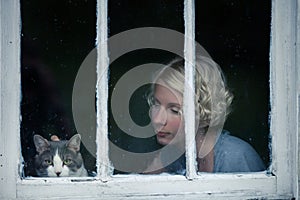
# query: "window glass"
x,y
56,40
128,150
237,36
228,36
56,37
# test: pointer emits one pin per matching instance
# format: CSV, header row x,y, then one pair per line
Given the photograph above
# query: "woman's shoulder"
x,y
233,154
231,143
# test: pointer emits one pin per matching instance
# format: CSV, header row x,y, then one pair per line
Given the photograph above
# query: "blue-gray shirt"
x,y
231,154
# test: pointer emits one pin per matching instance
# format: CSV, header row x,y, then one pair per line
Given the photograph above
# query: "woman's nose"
x,y
160,117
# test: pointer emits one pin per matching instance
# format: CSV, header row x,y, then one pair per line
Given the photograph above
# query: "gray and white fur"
x,y
59,158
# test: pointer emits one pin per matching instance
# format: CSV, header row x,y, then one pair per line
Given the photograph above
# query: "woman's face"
x,y
166,115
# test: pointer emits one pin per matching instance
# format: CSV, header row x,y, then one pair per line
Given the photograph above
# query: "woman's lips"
x,y
162,134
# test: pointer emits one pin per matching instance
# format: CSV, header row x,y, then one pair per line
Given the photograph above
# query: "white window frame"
x,y
281,182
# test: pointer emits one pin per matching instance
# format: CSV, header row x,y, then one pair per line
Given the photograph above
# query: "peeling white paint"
x,y
104,167
284,128
189,88
283,86
10,97
148,186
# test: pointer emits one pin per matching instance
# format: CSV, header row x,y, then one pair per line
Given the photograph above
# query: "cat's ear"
x,y
74,142
41,144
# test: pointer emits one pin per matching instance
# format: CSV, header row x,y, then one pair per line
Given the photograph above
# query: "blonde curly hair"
x,y
212,97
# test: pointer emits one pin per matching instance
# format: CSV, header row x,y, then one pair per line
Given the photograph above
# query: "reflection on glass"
x,y
228,30
56,37
237,37
130,150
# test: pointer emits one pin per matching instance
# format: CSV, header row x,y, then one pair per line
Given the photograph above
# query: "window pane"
x,y
129,147
56,38
236,34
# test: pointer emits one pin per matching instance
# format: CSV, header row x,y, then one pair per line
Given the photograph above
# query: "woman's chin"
x,y
162,140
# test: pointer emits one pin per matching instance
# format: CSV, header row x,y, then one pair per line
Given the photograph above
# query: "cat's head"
x,y
58,158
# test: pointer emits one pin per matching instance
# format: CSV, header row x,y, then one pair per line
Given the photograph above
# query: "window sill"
x,y
152,187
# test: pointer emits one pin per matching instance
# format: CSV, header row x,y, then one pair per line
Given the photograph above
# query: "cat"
x,y
59,158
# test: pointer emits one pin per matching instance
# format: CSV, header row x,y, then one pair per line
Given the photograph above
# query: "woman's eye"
x,y
155,107
67,161
48,162
176,111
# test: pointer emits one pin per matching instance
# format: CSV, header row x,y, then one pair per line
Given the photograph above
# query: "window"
x,y
281,182
135,136
50,58
246,66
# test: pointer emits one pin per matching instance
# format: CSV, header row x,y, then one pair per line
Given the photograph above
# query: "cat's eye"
x,y
48,162
67,161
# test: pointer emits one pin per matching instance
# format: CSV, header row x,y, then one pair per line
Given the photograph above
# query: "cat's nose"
x,y
58,173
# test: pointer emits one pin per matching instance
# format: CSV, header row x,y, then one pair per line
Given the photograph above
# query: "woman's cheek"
x,y
176,126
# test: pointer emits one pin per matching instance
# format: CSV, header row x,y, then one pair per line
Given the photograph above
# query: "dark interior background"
x,y
58,35
237,36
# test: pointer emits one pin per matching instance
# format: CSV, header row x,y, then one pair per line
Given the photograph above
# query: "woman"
x,y
217,150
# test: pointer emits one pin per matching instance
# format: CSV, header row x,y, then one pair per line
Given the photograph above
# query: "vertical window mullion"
x,y
103,163
10,87
283,83
188,99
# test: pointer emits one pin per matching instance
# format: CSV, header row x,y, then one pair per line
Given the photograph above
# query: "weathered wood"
x,y
104,167
10,97
283,86
153,186
284,128
189,88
